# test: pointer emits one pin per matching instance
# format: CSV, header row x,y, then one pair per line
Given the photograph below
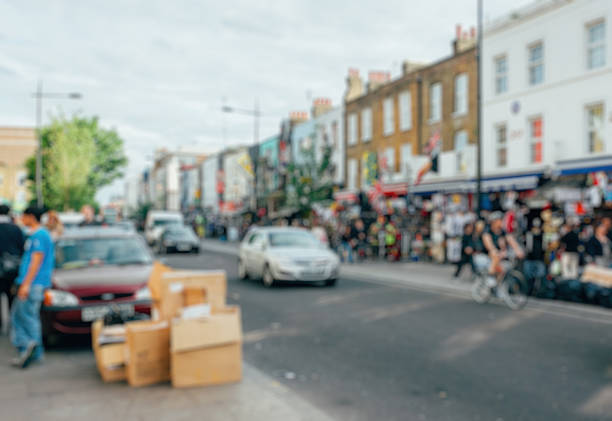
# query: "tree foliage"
x,y
79,157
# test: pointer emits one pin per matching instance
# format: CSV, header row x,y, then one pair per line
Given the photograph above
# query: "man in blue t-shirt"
x,y
34,277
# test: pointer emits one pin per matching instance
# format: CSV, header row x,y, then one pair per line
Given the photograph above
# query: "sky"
x,y
160,71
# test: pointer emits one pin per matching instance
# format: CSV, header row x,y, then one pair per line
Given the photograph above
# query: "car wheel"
x,y
195,250
268,278
242,271
330,282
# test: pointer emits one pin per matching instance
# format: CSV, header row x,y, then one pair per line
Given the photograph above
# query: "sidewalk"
x,y
432,277
67,387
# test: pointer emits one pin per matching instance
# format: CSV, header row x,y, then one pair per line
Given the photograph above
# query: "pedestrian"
x,y
34,277
570,257
598,248
54,225
534,266
11,249
89,216
391,241
467,250
347,244
360,236
374,235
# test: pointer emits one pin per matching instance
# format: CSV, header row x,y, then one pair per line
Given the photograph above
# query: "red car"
x,y
97,269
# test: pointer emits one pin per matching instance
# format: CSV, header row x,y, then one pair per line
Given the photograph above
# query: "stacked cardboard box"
x,y
193,339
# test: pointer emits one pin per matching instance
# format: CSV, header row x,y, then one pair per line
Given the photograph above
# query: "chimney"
x,y
297,117
354,85
376,79
464,40
320,106
411,66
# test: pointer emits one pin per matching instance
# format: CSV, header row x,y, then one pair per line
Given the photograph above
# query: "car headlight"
x,y
143,293
57,298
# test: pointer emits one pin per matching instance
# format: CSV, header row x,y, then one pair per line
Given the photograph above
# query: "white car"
x,y
286,254
157,221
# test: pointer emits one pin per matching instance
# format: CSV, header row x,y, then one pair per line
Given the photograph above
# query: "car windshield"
x,y
294,239
178,231
75,253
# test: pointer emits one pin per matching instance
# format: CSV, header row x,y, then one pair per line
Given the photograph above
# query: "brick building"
x,y
388,124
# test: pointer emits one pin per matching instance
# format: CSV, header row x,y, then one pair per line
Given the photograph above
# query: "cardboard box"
x,y
213,281
194,295
148,356
110,358
155,279
207,351
597,275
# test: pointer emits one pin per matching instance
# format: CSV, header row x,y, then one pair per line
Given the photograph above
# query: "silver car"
x,y
286,254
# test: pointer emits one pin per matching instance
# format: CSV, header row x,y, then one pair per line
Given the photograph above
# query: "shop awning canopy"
x,y
584,165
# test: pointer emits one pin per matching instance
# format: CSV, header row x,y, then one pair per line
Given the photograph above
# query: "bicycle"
x,y
513,288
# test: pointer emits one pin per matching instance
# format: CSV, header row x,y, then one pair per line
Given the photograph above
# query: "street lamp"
x,y
39,95
479,110
255,112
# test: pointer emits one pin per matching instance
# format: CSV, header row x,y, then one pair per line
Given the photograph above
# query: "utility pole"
x,y
39,95
479,110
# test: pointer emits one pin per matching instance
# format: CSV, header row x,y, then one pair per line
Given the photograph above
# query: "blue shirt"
x,y
40,241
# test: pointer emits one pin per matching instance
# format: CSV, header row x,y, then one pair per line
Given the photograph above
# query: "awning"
x,y
347,196
497,183
584,165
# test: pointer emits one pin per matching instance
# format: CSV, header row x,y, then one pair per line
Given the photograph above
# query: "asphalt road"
x,y
364,351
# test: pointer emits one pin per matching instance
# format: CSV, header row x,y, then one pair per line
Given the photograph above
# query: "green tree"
x,y
79,157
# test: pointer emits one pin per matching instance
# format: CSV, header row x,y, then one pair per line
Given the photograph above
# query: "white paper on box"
x,y
197,311
175,287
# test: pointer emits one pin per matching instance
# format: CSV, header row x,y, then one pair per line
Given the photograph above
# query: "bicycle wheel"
x,y
481,292
515,290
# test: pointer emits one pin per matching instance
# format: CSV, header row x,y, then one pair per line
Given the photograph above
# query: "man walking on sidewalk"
x,y
34,277
11,249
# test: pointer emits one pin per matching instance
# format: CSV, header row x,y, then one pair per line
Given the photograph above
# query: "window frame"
x,y
534,64
366,130
589,47
499,145
405,115
352,135
388,105
438,117
591,128
459,153
534,140
461,98
500,76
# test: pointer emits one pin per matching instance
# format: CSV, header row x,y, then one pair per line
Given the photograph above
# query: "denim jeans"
x,y
348,250
25,321
534,269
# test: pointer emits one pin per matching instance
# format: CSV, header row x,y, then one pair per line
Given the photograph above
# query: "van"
x,y
157,221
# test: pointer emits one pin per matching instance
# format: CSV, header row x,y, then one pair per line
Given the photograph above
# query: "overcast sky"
x,y
159,71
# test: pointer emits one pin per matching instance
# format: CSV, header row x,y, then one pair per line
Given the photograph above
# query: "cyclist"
x,y
496,242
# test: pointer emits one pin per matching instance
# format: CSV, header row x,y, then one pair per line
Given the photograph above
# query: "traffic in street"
x,y
364,351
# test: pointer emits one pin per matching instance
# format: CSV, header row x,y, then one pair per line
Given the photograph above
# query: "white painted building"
x,y
238,173
210,196
547,89
329,127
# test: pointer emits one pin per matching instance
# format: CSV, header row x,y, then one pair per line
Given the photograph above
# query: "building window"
x,y
535,140
595,124
536,64
501,75
405,111
435,102
461,141
366,124
596,45
502,145
461,94
352,129
388,117
352,174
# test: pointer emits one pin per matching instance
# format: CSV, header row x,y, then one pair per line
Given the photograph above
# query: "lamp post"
x,y
479,111
255,112
39,95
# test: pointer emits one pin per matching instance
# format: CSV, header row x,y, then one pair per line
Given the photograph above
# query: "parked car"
x,y
158,220
126,225
177,238
95,269
286,254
